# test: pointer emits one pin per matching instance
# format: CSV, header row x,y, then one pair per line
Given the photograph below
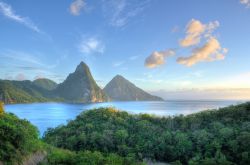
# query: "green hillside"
x,y
18,139
20,144
209,137
45,83
20,92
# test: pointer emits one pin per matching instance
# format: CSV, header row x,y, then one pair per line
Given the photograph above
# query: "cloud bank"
x,y
158,58
9,13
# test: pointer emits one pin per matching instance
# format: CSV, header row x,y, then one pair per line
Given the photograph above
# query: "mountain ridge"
x,y
78,87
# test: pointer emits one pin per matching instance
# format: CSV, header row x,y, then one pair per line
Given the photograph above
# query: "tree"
x,y
1,107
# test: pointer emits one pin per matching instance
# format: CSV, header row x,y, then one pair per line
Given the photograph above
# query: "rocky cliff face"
x,y
81,87
120,89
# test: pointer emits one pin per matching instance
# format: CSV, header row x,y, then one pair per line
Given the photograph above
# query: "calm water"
x,y
45,115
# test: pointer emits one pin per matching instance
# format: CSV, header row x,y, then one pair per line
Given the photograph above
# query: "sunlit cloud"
x,y
77,6
9,13
210,51
246,3
194,31
158,58
91,45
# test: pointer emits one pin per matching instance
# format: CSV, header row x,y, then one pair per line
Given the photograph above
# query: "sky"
x,y
175,49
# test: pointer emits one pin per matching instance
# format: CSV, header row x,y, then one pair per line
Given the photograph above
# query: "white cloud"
x,y
91,45
117,64
194,31
246,3
210,51
119,12
77,6
158,58
8,12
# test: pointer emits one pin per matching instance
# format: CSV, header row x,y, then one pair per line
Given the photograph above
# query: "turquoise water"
x,y
46,115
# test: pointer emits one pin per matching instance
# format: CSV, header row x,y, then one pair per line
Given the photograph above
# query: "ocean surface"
x,y
49,115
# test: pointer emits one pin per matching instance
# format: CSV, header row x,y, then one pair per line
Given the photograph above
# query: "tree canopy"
x,y
209,137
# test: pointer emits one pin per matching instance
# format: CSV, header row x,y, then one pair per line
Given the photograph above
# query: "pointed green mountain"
x,y
80,87
120,89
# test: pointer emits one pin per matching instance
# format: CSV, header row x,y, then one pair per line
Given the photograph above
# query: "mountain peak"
x,y
81,87
82,67
121,89
119,77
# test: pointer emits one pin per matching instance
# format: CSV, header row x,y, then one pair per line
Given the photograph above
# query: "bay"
x,y
50,115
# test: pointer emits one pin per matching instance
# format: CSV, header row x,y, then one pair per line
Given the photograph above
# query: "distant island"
x,y
79,87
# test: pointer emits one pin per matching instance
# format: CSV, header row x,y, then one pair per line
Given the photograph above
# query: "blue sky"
x,y
171,48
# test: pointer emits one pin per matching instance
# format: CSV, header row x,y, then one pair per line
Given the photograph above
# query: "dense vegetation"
x,y
18,139
45,83
19,142
65,157
24,92
209,137
1,108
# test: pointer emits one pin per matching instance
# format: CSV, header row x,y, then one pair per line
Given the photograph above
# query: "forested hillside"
x,y
18,139
209,137
20,143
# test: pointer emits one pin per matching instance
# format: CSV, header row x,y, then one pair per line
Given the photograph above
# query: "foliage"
x,y
45,83
65,157
23,92
18,138
209,137
1,108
